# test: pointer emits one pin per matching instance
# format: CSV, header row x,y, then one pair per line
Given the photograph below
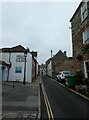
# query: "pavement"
x,y
21,101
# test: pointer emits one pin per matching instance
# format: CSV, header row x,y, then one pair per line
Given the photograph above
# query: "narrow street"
x,y
63,102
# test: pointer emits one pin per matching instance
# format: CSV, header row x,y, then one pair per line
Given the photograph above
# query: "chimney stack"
x,y
65,53
51,53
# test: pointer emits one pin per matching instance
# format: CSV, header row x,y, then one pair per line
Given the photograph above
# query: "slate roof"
x,y
18,48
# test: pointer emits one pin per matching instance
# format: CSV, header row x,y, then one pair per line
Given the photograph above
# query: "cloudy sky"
x,y
41,26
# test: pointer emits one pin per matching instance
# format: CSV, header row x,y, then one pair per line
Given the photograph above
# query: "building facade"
x,y
67,65
53,64
57,60
3,70
34,65
49,69
80,38
17,64
43,69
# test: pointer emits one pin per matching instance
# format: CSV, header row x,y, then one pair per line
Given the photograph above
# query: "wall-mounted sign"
x,y
20,58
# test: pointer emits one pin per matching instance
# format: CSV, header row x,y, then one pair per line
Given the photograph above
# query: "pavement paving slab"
x,y
21,100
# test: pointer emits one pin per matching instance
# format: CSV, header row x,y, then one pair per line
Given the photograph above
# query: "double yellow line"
x,y
48,107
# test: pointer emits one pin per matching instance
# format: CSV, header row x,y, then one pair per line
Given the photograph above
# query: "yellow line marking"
x,y
72,90
79,94
49,107
46,103
49,110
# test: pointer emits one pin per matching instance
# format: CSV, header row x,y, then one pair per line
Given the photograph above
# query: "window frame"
x,y
18,69
84,10
86,36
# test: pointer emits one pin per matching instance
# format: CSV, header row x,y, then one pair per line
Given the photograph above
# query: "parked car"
x,y
62,75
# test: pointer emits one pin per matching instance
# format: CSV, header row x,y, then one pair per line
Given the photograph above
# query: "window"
x,y
87,68
84,12
18,70
86,36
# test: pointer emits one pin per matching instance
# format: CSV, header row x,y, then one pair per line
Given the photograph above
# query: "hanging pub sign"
x,y
20,58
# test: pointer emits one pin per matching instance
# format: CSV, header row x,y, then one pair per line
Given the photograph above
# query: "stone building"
x,y
57,60
80,38
66,65
53,64
34,68
34,65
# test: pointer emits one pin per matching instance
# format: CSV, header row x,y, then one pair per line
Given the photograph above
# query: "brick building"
x,y
80,38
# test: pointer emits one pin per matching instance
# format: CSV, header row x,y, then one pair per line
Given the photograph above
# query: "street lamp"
x,y
25,55
8,67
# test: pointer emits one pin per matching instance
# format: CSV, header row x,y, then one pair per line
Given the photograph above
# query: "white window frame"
x,y
85,70
86,36
84,11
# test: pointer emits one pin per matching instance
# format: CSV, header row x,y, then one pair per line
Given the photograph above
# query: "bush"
x,y
79,77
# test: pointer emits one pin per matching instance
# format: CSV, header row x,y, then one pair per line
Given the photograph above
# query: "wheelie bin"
x,y
70,81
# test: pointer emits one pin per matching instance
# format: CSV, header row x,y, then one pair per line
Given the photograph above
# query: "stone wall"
x,y
77,39
67,65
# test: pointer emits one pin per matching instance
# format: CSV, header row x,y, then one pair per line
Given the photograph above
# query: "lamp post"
x,y
8,67
24,79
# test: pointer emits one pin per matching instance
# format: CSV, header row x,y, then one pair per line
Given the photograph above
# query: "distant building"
x,y
80,38
34,65
67,65
49,69
57,60
53,64
43,69
13,64
34,69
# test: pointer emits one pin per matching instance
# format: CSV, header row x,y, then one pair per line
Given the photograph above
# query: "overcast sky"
x,y
41,26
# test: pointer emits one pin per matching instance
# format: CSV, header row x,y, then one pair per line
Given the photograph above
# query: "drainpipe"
x,y
9,66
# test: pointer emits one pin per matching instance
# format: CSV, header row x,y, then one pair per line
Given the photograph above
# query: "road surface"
x,y
63,102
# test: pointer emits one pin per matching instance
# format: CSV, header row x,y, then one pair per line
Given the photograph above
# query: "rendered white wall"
x,y
4,73
49,69
29,68
5,57
16,76
13,76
